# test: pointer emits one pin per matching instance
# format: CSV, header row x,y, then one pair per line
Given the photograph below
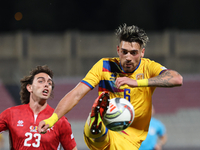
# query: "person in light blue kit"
x,y
156,136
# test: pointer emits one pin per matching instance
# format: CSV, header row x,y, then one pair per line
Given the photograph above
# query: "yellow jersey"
x,y
104,74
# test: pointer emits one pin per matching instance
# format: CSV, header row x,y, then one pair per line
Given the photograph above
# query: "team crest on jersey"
x,y
20,123
33,128
139,76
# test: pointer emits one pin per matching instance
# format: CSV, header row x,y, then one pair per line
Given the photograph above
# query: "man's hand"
x,y
120,81
47,123
42,127
158,147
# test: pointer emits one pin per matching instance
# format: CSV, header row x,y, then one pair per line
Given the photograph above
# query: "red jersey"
x,y
23,125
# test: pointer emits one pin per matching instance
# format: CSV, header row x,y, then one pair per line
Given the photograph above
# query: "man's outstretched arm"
x,y
64,106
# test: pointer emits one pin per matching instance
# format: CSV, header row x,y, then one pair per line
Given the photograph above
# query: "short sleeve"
x,y
155,68
93,77
162,129
4,118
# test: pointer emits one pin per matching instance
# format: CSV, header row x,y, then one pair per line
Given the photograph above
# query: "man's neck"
x,y
37,107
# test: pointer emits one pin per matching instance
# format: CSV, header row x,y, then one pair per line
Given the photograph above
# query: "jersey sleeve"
x,y
4,118
66,136
155,68
93,77
162,129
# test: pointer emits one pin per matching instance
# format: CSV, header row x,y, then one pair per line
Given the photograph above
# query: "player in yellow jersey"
x,y
129,76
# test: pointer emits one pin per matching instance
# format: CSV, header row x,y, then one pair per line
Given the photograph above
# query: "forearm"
x,y
168,78
64,106
161,142
71,99
68,102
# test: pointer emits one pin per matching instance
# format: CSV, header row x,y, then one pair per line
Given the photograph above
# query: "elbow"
x,y
179,80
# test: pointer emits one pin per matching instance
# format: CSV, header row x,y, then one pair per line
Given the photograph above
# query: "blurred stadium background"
x,y
70,36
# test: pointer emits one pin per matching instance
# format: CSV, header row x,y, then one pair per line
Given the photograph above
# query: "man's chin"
x,y
128,70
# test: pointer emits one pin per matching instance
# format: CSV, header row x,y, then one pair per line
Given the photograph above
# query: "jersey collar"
x,y
133,70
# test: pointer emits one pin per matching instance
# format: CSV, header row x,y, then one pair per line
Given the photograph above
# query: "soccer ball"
x,y
119,115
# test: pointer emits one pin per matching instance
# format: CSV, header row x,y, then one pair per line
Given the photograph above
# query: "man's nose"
x,y
46,84
128,57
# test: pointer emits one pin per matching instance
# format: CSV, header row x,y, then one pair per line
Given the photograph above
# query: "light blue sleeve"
x,y
161,129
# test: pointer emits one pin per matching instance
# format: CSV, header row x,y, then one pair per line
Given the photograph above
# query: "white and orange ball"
x,y
119,115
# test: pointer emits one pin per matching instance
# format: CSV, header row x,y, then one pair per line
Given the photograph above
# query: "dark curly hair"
x,y
132,34
24,93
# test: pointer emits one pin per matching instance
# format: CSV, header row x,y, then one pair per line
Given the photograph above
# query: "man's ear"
x,y
142,52
117,49
29,87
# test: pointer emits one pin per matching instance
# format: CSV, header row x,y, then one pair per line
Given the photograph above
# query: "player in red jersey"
x,y
22,121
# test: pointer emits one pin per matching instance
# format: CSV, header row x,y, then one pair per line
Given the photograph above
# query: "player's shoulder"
x,y
18,107
155,121
48,110
63,121
112,59
14,109
146,60
63,118
106,61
